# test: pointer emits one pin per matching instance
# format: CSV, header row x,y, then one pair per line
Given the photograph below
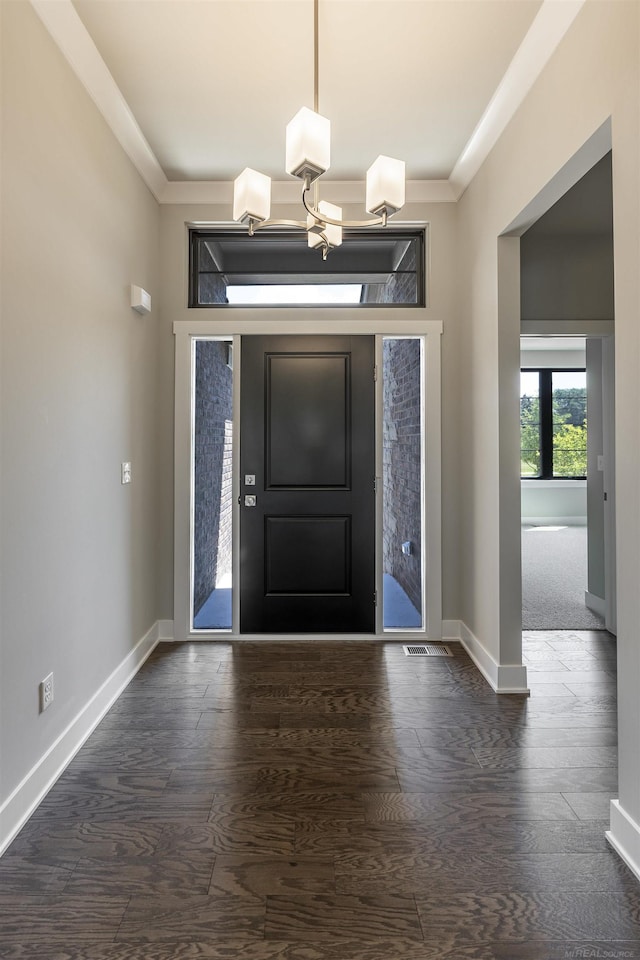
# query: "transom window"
x,y
373,267
553,424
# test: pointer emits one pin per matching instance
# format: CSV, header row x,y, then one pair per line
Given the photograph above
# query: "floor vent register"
x,y
427,650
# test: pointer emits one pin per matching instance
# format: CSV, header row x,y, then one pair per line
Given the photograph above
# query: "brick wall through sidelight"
x,y
213,470
402,469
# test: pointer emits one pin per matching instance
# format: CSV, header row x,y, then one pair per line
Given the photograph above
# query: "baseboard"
x,y
19,806
624,837
595,603
504,678
554,521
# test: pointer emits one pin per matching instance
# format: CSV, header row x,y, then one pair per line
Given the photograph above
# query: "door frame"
x,y
240,321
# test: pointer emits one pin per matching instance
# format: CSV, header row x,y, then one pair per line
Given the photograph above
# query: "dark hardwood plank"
x,y
258,877
591,806
327,774
65,842
548,690
292,805
237,720
67,804
567,677
142,876
195,917
449,834
80,918
419,778
546,757
334,917
240,777
530,917
230,832
324,721
475,807
32,876
518,736
567,950
404,873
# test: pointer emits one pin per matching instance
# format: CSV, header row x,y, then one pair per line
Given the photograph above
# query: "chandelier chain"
x,y
316,56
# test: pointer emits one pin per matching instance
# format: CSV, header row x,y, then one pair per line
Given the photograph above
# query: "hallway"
x,y
333,801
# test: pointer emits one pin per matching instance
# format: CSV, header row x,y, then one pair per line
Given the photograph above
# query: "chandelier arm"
x,y
323,218
258,225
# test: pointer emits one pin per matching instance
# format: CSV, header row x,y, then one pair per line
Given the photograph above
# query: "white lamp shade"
x,y
385,186
251,196
308,151
331,232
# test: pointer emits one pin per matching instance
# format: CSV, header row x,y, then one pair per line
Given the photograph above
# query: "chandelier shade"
x,y
251,196
308,145
385,186
320,232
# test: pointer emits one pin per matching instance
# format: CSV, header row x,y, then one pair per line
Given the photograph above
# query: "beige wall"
x,y
593,76
79,385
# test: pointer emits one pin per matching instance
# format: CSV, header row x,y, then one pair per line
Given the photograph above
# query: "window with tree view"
x,y
553,424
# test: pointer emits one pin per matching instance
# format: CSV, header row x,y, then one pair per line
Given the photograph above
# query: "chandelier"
x,y
308,148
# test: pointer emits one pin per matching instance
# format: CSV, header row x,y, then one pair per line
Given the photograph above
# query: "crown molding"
x,y
545,33
71,36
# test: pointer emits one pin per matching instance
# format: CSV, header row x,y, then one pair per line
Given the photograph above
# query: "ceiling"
x,y
213,85
208,86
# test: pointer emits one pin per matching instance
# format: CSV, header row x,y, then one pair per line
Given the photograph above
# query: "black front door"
x,y
307,455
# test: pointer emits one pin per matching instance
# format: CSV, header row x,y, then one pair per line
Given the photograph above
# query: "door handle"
x,y
250,500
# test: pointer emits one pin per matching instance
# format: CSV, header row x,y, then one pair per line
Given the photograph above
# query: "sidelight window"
x,y
212,418
402,483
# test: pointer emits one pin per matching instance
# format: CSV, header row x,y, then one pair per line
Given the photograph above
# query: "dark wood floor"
x,y
286,801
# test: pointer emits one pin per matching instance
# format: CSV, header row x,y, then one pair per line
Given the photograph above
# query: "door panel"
x,y
308,437
307,421
308,555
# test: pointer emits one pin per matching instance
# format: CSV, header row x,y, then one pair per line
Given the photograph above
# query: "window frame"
x,y
545,395
417,234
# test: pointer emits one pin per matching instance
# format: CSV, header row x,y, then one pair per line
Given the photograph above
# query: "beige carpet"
x,y
554,579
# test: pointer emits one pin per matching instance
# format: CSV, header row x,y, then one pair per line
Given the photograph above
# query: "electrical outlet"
x,y
125,472
46,692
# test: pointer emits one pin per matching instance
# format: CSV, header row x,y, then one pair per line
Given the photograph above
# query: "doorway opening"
x,y
567,414
556,412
